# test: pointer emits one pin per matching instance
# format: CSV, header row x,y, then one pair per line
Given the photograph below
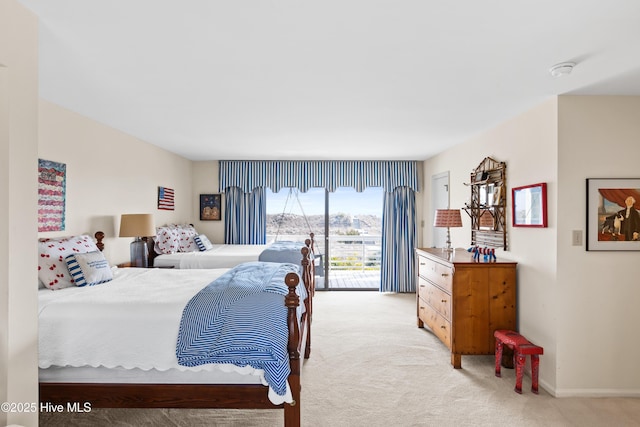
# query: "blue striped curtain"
x,y
244,183
329,174
398,241
245,217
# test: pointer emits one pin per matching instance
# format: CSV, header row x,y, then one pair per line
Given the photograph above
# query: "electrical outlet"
x,y
576,237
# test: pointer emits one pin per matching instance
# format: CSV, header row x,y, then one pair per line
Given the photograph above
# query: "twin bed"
x,y
219,256
181,246
133,342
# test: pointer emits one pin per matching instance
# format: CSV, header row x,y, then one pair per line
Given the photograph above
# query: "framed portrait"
x,y
529,205
613,219
210,207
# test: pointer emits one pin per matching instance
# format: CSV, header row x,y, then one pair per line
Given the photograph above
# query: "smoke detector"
x,y
562,69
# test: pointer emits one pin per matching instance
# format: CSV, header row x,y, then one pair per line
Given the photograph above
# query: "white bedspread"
x,y
130,322
221,256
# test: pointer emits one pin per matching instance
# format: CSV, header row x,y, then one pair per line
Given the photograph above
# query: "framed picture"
x,y
52,194
166,199
529,205
210,207
613,220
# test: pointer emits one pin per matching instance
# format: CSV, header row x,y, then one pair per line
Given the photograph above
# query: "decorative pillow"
x,y
203,242
187,234
52,268
167,240
90,268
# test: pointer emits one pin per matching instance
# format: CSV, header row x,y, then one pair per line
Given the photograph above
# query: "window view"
x,y
292,214
351,251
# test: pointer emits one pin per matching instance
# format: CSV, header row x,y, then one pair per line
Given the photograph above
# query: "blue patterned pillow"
x,y
203,242
90,268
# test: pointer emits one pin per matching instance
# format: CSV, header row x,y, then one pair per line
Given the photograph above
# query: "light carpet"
x,y
371,365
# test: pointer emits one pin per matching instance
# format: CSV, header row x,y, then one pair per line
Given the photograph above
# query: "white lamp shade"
x,y
137,225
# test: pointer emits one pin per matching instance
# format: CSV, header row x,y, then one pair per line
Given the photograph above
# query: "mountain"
x,y
339,223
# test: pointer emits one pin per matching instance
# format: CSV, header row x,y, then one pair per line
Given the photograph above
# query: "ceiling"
x,y
330,79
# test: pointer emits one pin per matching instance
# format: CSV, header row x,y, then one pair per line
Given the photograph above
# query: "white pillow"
x,y
52,268
203,242
90,268
167,240
174,238
187,234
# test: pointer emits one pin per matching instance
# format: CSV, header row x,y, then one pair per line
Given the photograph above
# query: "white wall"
x,y
18,184
527,144
110,173
598,292
580,306
205,181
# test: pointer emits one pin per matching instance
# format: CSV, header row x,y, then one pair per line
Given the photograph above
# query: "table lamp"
x,y
447,218
138,226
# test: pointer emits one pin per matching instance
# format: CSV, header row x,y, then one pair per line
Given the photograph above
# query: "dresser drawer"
x,y
440,274
440,326
439,300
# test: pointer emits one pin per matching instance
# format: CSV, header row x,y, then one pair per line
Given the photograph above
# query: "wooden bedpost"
x,y
99,236
308,278
292,301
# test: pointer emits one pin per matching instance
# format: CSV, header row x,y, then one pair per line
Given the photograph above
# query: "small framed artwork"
x,y
210,207
529,205
613,220
166,199
52,190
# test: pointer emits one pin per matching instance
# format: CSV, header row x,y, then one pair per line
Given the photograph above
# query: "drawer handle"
x,y
443,327
444,300
445,274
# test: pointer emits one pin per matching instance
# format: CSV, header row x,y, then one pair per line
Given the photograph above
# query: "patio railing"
x,y
351,253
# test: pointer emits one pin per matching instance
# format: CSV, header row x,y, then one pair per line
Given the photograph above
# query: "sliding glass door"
x,y
347,227
354,233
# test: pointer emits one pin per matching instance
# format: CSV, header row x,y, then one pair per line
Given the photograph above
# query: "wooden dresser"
x,y
463,301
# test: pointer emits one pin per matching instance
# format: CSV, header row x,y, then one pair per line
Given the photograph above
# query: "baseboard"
x,y
595,392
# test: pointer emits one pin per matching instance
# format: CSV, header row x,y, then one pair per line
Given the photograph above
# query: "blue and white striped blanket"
x,y
282,251
240,318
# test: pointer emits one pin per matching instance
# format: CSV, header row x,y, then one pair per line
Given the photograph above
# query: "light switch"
x,y
576,238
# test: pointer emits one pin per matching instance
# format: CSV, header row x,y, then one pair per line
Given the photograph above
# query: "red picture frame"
x,y
529,205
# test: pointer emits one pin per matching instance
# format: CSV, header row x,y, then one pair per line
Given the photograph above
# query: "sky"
x,y
345,200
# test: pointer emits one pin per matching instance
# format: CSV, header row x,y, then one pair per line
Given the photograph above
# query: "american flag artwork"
x,y
51,195
165,198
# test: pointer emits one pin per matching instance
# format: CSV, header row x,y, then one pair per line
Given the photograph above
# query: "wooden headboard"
x,y
151,243
99,236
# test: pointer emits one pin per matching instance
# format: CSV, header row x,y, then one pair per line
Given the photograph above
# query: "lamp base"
x,y
448,248
139,253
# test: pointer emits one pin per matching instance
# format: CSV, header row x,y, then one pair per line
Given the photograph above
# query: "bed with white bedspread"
x,y
134,341
181,246
218,256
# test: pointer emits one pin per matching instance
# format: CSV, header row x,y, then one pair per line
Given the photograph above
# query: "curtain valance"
x,y
329,174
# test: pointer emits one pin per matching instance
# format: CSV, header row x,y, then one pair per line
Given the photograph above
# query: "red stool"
x,y
521,348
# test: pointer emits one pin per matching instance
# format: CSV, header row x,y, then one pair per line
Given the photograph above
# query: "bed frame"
x,y
228,396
